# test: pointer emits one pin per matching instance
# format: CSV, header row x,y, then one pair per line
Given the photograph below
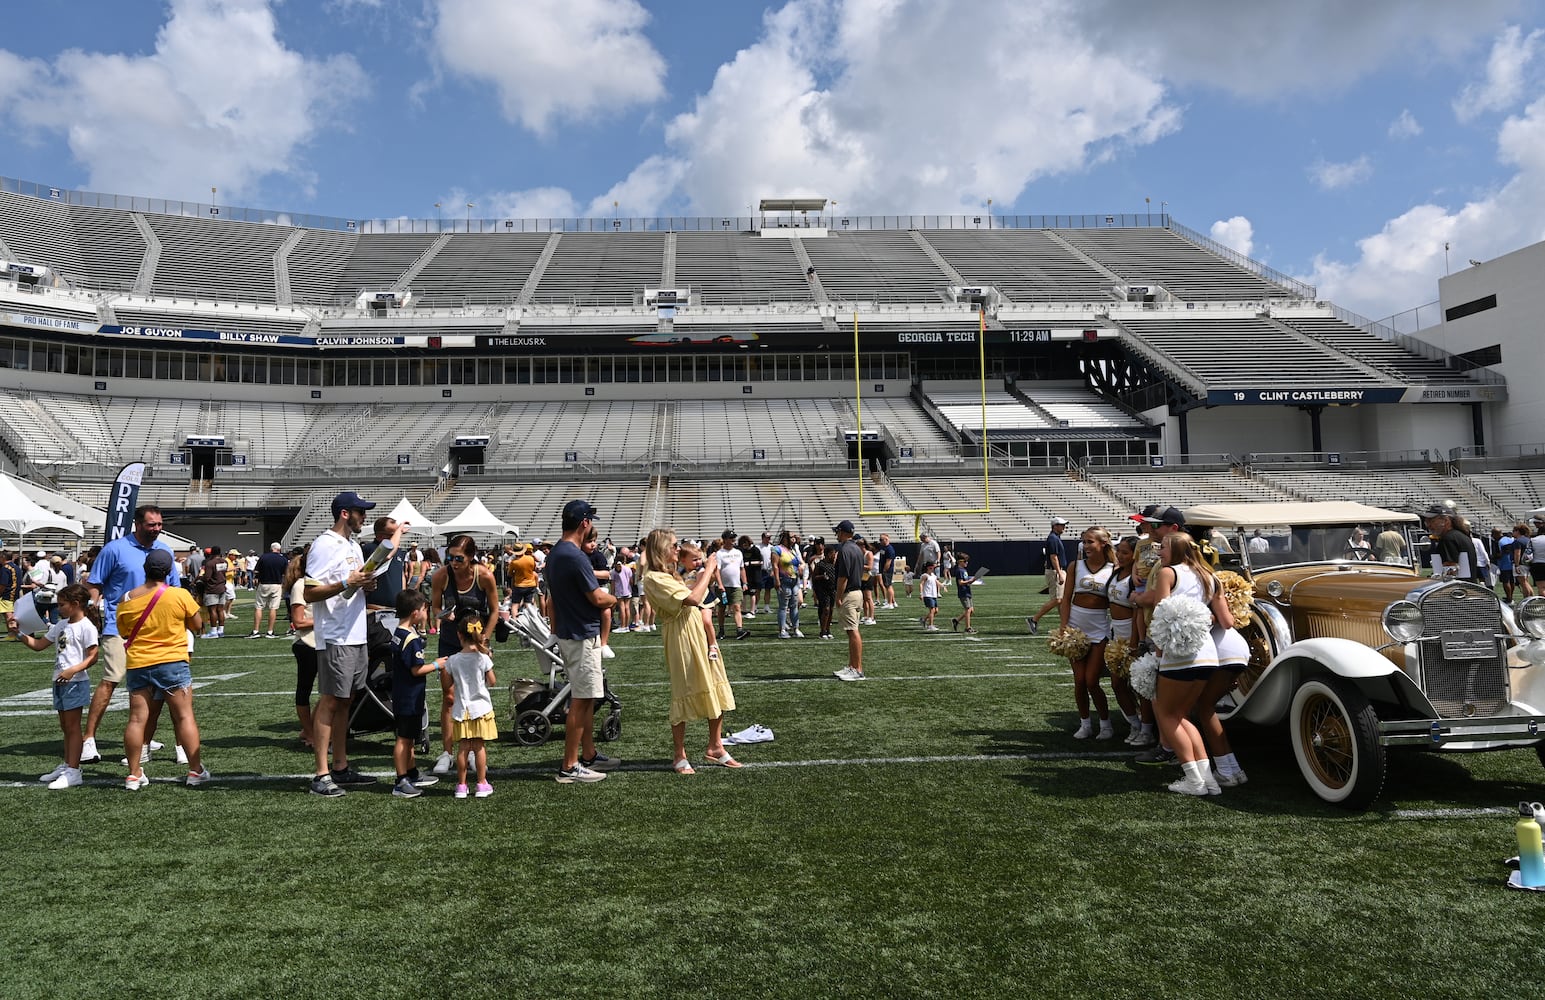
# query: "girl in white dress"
x,y
1085,607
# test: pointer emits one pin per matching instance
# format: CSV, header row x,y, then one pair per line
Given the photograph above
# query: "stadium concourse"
x,y
703,372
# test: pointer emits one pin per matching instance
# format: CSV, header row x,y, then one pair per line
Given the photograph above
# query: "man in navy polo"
x,y
120,567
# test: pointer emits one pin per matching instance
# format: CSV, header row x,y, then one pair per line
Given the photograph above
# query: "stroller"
x,y
537,707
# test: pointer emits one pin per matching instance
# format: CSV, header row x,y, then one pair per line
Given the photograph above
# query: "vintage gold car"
x,y
1361,656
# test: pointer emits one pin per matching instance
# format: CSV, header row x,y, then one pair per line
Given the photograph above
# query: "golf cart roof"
x,y
1246,515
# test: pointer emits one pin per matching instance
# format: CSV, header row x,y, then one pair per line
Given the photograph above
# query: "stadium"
x,y
994,371
934,831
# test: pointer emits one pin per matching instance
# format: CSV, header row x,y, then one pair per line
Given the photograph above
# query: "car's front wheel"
x,y
1336,740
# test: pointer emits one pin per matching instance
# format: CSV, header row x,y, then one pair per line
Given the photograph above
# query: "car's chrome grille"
x,y
1474,682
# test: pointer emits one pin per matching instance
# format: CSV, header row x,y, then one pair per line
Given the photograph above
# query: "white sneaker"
x,y
931,628
798,634
1189,786
783,635
1232,780
196,778
182,755
845,674
1143,738
144,756
443,763
56,772
157,745
69,779
89,753
1107,731
131,785
1084,731
607,654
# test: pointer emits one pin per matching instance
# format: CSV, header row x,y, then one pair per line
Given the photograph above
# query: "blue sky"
x,y
1341,143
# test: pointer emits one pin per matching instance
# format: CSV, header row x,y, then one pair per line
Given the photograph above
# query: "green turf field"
x,y
934,831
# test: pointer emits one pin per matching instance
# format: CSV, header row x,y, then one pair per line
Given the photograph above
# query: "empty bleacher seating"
x,y
233,261
880,265
1185,270
1247,351
1025,265
478,268
739,268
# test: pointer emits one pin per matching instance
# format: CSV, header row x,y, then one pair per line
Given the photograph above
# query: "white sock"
x,y
1193,769
1227,764
1135,721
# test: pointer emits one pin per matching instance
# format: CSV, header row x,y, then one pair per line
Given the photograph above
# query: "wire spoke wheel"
x,y
1336,741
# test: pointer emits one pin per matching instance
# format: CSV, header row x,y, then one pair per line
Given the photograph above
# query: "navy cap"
x,y
844,526
576,511
350,501
159,559
1171,515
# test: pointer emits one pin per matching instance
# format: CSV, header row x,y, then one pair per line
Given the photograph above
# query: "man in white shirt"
x,y
335,585
730,564
1258,542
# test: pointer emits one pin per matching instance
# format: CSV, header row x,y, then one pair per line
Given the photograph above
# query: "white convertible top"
x,y
1249,515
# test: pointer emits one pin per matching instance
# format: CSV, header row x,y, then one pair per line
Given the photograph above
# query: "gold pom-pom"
x,y
1118,656
1069,642
1238,592
1148,557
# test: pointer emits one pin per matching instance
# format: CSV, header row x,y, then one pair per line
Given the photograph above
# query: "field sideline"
x,y
932,831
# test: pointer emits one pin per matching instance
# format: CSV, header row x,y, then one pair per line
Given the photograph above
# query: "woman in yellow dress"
x,y
699,687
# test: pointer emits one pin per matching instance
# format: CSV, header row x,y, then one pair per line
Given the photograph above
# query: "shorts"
x,y
1188,673
7,607
341,670
1537,571
732,596
582,660
72,696
214,598
1121,628
1521,572
851,605
966,601
114,660
484,727
408,727
1233,650
930,602
268,596
524,595
885,577
1053,588
163,678
230,590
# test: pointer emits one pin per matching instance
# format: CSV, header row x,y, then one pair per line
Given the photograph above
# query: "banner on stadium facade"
x,y
1352,396
120,505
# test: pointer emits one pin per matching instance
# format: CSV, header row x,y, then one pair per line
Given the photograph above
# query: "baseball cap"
x,y
40,554
727,534
159,559
1148,515
844,526
1171,515
1438,510
1059,520
350,501
578,510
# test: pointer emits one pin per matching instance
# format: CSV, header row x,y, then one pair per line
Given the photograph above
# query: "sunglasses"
x,y
455,558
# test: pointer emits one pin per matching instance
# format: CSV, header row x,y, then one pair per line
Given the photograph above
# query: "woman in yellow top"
x,y
699,688
154,620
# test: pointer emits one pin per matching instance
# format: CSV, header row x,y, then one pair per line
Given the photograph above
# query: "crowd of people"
x,y
132,607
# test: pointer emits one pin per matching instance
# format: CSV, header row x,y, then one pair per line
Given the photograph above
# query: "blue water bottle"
x,y
1531,855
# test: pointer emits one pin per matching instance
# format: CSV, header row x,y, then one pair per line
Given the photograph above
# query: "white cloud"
x,y
889,104
1236,233
1504,83
1399,266
220,102
1405,126
1264,48
1333,176
551,59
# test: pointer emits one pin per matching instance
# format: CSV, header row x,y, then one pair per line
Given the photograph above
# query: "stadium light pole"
x,y
989,213
470,207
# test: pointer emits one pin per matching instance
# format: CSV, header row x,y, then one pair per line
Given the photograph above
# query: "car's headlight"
x,y
1531,617
1403,621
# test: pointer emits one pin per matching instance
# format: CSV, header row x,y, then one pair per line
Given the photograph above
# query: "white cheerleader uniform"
x,y
1233,650
1120,594
1205,659
1093,622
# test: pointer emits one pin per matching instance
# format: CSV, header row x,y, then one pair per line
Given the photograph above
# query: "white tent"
x,y
417,523
19,515
476,520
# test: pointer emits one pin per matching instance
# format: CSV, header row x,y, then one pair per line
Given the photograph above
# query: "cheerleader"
x,y
1182,679
1085,607
1126,625
1233,658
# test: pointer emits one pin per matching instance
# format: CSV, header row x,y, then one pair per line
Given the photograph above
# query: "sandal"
x,y
723,760
683,766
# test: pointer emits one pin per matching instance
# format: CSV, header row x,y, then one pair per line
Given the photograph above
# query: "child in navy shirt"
x,y
408,683
963,582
